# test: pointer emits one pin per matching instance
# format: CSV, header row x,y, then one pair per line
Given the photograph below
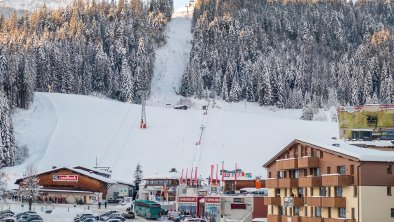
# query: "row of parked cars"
x,y
110,216
28,216
178,217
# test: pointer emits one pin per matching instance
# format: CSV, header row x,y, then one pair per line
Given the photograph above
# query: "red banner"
x,y
212,199
187,199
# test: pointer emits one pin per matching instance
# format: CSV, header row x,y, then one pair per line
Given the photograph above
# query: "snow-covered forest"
x,y
86,48
292,53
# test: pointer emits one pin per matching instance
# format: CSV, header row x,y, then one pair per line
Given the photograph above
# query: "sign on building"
x,y
65,178
212,209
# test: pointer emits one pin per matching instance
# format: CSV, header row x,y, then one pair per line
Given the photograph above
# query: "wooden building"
x,y
71,185
337,182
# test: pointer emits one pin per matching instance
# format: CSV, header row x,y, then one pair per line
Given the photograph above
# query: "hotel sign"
x,y
65,178
187,199
240,173
212,199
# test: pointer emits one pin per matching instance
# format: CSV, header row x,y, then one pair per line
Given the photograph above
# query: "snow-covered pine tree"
x,y
29,187
138,176
7,146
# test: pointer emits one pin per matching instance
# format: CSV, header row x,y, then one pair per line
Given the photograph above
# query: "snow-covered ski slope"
x,y
77,129
69,130
171,59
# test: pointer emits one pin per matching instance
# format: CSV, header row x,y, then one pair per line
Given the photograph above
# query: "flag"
x,y
217,173
181,180
191,177
195,177
187,170
235,174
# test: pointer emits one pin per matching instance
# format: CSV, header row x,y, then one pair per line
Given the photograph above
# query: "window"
x,y
388,191
315,171
329,212
281,174
389,169
277,192
372,119
353,213
338,191
318,212
355,191
269,174
341,170
351,169
323,191
311,191
280,210
321,154
296,211
328,170
392,212
300,192
342,212
306,211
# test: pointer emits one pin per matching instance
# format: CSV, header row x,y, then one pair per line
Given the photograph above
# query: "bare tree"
x,y
29,187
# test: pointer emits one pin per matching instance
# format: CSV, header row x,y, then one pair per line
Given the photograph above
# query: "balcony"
x,y
286,164
311,181
311,219
313,201
287,182
338,220
336,180
308,162
272,201
333,202
274,218
271,183
298,201
291,218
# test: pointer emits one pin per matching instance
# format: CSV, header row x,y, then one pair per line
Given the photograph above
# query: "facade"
x,y
243,208
120,189
160,186
366,122
308,181
70,185
243,180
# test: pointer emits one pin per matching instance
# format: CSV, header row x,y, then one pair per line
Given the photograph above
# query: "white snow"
x,y
34,4
70,130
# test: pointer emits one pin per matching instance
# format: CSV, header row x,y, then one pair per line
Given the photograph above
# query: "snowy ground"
x,y
68,130
65,212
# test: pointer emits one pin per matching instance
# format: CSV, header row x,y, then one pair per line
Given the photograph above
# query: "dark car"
x,y
115,216
104,217
110,200
80,216
31,218
128,215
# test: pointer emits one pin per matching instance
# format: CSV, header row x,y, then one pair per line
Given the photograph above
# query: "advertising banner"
x,y
187,206
65,178
212,209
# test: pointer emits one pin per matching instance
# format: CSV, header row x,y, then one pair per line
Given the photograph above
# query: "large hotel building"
x,y
334,182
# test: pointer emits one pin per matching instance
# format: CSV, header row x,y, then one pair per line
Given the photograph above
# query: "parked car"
x,y
191,219
173,214
104,217
7,212
8,219
88,219
32,218
111,200
114,220
85,217
128,215
80,216
23,216
117,216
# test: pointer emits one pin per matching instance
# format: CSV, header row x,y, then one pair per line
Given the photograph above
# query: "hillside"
x,y
33,4
61,129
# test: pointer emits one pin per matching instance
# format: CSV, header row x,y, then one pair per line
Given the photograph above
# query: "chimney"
x,y
54,167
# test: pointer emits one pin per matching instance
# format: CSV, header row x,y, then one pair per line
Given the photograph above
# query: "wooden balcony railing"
x,y
298,201
308,162
291,218
336,180
271,183
287,182
333,202
311,219
311,181
338,220
313,201
286,164
274,218
272,201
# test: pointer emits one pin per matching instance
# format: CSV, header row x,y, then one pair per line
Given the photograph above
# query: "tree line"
x,y
292,53
89,47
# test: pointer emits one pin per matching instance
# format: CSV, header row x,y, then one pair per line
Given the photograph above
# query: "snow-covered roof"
x,y
343,148
158,176
82,172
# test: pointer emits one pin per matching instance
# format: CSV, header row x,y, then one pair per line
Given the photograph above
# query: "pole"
x,y
187,170
181,179
217,174
191,178
235,177
195,178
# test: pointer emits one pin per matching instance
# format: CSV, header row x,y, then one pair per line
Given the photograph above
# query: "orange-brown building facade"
x,y
310,183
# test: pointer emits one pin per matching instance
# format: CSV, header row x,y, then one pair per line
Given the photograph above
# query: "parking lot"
x,y
65,212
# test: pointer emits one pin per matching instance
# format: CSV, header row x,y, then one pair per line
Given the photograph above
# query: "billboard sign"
x,y
212,209
65,178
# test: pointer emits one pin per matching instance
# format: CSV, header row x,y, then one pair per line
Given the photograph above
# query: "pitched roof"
x,y
82,172
341,148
